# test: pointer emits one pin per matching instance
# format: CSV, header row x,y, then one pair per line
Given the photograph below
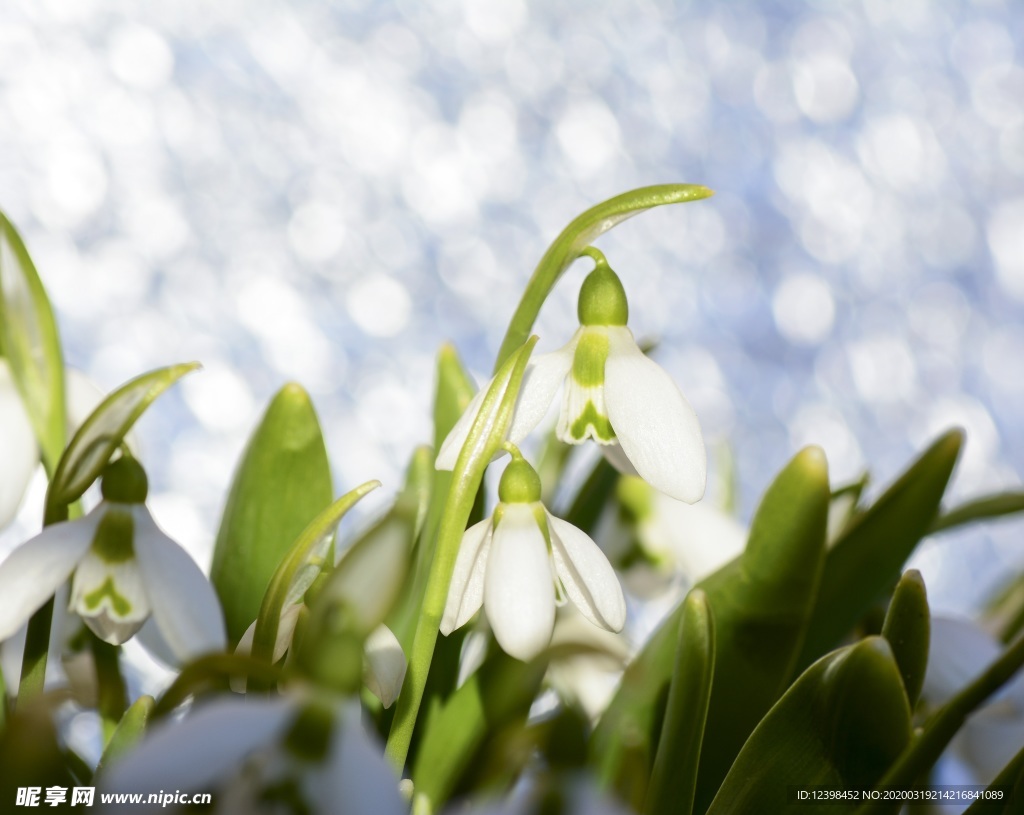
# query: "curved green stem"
x,y
572,242
484,440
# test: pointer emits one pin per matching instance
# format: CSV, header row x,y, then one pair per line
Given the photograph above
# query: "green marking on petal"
x,y
118,602
592,423
589,360
112,542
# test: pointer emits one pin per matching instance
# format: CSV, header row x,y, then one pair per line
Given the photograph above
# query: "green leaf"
x,y
839,726
31,343
498,695
907,627
1010,783
674,779
360,566
455,389
593,496
866,560
980,509
282,482
103,432
579,234
130,729
762,602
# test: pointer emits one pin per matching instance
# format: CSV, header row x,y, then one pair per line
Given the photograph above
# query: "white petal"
x,y
544,374
466,591
33,572
617,458
360,776
472,656
958,651
588,577
452,444
104,615
285,633
204,748
519,594
654,423
184,603
699,537
384,668
18,449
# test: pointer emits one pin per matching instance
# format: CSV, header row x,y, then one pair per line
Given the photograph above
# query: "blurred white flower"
x,y
122,568
959,651
259,755
522,562
613,394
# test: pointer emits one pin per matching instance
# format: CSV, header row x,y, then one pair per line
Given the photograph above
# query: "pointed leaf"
x,y
866,560
762,602
674,779
130,729
31,343
839,726
980,509
282,482
1010,786
907,627
568,246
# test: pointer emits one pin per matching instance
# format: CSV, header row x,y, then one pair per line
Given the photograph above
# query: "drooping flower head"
x,y
522,562
613,395
124,569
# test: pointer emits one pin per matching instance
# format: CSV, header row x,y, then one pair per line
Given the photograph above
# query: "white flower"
x,y
260,755
613,394
959,651
122,569
521,562
17,439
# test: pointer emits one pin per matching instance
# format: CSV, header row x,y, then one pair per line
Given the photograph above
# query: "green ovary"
x,y
118,602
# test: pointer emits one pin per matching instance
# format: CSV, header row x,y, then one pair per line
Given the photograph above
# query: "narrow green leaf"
x,y
593,496
103,432
1010,785
866,560
282,482
130,730
674,779
579,234
980,509
31,343
762,602
454,391
212,672
839,726
907,627
360,568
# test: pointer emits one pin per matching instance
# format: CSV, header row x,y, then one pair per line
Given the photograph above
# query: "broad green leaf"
x,y
674,779
762,601
839,726
360,566
31,343
866,560
579,234
103,432
980,509
282,482
130,729
907,627
499,694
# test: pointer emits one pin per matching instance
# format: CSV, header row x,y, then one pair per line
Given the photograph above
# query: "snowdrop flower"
x,y
260,755
18,441
522,562
959,650
613,394
124,569
384,663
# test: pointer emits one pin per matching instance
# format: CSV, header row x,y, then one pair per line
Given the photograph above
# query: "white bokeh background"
x,y
325,192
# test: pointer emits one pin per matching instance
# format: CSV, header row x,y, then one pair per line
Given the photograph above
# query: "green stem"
x,y
483,441
922,753
111,691
570,244
37,646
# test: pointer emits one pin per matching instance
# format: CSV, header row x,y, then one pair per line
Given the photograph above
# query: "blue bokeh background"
x,y
325,192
